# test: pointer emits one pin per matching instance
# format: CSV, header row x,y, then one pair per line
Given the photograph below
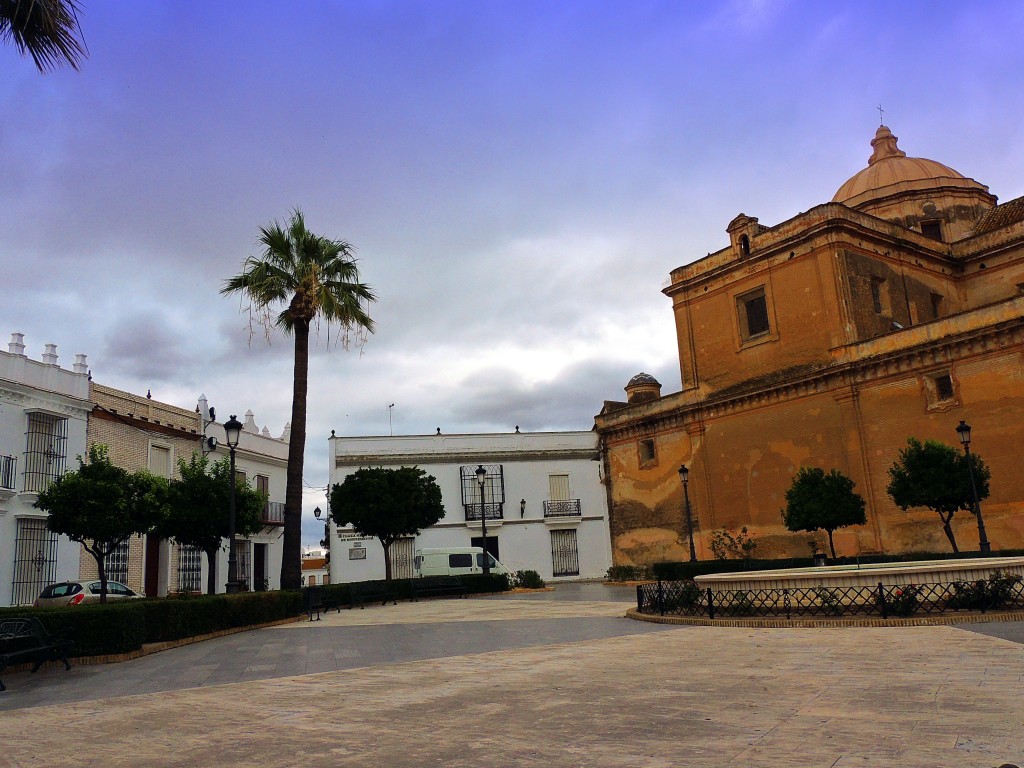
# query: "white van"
x,y
453,561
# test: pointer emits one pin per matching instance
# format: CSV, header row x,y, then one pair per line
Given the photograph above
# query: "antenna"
x,y
390,428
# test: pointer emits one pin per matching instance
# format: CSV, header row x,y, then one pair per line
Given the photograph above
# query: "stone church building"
x,y
895,310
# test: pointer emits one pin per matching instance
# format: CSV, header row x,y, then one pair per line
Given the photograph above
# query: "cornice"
x,y
841,378
465,457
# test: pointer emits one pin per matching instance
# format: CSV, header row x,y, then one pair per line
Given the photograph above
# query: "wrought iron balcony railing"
x,y
8,465
273,513
564,508
493,511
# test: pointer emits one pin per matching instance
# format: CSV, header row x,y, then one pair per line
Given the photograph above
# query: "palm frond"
x,y
47,30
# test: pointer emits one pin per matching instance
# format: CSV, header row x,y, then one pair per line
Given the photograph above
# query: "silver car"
x,y
80,592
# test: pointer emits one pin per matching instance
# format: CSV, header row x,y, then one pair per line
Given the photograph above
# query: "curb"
x,y
808,623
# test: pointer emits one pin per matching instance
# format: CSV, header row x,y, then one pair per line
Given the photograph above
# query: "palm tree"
x,y
311,277
47,30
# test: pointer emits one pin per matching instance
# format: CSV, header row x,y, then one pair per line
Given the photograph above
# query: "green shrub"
x,y
995,592
628,573
477,583
527,580
177,618
828,600
96,629
903,601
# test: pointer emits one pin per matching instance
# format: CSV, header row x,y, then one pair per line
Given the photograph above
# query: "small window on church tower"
x,y
932,229
744,246
753,314
647,455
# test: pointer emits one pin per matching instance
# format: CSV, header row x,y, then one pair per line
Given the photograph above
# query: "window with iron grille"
x,y
35,560
8,465
494,492
116,564
243,562
45,450
190,568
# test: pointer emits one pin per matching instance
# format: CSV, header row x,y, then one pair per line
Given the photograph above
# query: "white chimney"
x,y
81,366
50,354
17,345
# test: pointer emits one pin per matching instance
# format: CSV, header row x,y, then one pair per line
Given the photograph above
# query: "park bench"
x,y
26,639
361,591
437,585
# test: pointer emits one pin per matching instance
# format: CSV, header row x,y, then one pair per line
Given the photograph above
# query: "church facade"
x,y
894,310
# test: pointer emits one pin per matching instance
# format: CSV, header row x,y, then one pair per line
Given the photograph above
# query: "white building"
x,y
43,416
545,502
263,461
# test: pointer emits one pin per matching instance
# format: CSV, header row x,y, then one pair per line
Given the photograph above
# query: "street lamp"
x,y
964,430
232,431
481,478
684,475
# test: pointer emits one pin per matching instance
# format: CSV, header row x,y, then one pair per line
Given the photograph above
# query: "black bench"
x,y
26,639
361,591
438,585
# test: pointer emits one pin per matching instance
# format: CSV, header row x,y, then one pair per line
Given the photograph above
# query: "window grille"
x,y
45,450
565,559
243,562
494,492
8,465
35,560
190,568
116,564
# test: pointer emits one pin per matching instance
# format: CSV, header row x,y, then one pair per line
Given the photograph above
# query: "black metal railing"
x,y
493,511
273,513
8,469
564,508
684,598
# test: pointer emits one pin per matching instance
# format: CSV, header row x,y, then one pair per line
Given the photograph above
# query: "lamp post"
x,y
232,431
481,478
964,430
684,475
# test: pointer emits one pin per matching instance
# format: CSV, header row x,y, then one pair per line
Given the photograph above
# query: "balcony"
x,y
563,511
8,467
492,511
273,513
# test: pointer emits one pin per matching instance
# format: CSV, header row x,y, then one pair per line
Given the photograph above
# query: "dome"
x,y
643,379
890,171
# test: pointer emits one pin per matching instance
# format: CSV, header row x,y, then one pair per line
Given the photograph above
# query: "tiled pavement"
x,y
562,681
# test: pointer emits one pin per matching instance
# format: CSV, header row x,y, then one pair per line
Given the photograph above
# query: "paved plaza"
x,y
546,679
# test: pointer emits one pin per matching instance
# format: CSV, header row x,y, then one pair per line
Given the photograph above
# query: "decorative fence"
x,y
685,598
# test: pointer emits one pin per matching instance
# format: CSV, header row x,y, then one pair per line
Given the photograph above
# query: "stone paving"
x,y
563,683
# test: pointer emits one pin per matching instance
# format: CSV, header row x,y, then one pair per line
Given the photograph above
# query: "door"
x,y
402,553
492,545
565,559
259,567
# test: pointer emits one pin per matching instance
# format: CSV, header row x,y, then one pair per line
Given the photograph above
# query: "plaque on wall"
x,y
357,553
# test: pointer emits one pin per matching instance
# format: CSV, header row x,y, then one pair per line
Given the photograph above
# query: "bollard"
x,y
711,605
881,601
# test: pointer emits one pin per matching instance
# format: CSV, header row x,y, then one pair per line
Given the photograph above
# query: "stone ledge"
x,y
813,622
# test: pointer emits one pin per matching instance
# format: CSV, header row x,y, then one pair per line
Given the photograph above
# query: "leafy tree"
x,y
102,505
819,501
47,30
198,509
936,476
388,504
311,277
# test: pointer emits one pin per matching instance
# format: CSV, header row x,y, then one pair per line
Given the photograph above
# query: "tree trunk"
x,y
291,562
387,557
949,532
101,569
831,546
211,571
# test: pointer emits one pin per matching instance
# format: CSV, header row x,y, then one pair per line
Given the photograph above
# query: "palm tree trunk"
x,y
291,563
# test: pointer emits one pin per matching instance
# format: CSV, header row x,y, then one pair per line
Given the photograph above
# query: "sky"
x,y
517,178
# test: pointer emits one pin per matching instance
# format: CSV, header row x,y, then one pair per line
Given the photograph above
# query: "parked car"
x,y
79,592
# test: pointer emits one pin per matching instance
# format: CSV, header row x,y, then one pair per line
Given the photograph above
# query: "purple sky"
x,y
518,177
